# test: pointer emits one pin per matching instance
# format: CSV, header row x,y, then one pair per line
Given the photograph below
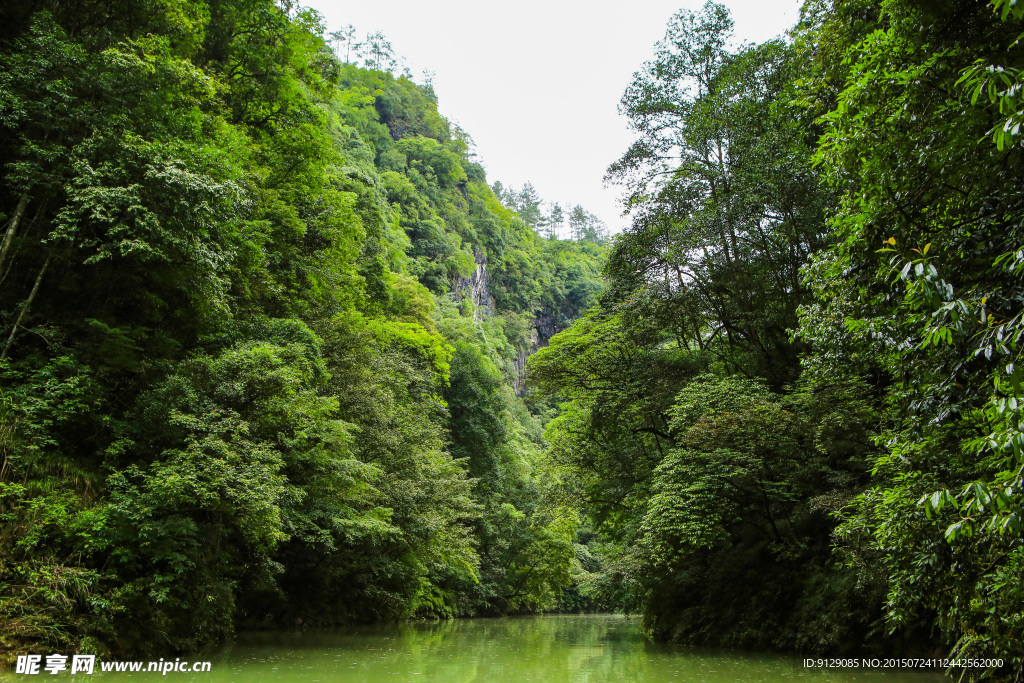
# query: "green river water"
x,y
556,649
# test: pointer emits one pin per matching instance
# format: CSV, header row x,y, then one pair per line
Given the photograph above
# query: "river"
x,y
552,649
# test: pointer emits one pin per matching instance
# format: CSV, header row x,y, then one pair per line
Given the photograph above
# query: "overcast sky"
x,y
536,83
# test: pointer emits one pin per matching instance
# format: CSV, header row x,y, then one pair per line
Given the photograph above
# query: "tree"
x,y
377,53
724,199
684,423
585,226
922,289
555,221
236,380
345,45
528,206
578,220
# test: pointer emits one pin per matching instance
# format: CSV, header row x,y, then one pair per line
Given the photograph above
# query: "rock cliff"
x,y
478,284
542,331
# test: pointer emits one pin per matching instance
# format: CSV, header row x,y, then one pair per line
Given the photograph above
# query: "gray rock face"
x,y
478,284
544,329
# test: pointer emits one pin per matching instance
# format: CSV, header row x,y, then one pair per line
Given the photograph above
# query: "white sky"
x,y
536,83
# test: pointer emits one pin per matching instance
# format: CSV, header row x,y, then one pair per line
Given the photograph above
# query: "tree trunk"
x,y
12,228
24,309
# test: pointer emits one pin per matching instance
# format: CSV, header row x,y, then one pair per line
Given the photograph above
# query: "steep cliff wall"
x,y
478,284
478,287
544,329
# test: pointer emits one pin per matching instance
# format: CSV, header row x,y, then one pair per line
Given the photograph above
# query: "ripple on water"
x,y
553,649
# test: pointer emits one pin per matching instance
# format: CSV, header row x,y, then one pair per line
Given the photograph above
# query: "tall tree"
x,y
922,289
683,427
725,203
555,221
377,53
528,203
345,44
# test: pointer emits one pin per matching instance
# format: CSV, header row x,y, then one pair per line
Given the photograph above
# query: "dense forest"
x,y
265,325
275,352
796,408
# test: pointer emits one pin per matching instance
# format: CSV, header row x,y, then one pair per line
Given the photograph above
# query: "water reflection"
x,y
554,649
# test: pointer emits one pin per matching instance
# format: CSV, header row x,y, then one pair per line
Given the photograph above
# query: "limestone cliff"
x,y
543,330
478,284
478,287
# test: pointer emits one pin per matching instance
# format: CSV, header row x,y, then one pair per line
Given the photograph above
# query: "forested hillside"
x,y
276,352
796,408
262,320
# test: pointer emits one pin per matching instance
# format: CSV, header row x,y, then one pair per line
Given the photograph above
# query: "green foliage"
x,y
237,384
265,323
687,429
922,290
704,481
724,455
725,204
